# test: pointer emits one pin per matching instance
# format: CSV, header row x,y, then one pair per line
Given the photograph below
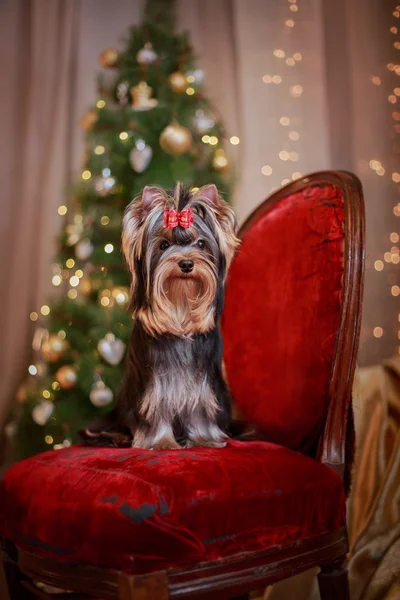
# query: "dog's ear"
x,y
133,223
151,196
224,220
211,193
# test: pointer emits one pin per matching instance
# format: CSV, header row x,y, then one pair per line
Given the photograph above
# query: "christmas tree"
x,y
151,124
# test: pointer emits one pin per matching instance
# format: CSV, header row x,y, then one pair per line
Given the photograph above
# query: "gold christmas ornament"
x,y
175,139
89,120
109,58
66,377
178,82
141,97
121,294
54,348
220,160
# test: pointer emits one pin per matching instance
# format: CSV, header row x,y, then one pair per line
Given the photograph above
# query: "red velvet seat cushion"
x,y
140,510
281,315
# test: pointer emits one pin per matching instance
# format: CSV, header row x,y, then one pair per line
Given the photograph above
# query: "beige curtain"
x,y
37,73
374,508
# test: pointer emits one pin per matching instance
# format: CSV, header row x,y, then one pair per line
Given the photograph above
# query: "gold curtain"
x,y
374,507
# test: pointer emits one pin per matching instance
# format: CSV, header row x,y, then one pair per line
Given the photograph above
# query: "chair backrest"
x,y
292,311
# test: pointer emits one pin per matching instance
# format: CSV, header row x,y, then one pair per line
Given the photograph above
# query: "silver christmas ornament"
x,y
202,123
84,249
146,55
111,349
100,394
140,156
42,412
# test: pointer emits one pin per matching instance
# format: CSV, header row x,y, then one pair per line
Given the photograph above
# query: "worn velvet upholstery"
x,y
281,315
139,510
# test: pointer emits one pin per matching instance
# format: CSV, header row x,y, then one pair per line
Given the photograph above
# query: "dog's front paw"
x,y
166,445
203,443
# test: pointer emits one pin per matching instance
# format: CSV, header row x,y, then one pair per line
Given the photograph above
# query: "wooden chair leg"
x,y
11,587
153,586
333,581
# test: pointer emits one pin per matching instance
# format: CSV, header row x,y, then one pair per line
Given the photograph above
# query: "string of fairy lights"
x,y
392,255
289,152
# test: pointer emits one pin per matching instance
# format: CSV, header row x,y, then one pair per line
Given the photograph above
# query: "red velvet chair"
x,y
126,523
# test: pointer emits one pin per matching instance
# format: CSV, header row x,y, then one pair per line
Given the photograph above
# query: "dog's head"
x,y
178,249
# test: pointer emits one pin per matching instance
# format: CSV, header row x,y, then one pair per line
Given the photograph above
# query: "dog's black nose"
x,y
186,266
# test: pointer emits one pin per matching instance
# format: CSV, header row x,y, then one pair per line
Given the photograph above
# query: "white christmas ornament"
x,y
147,55
202,123
84,249
111,349
140,156
100,395
42,412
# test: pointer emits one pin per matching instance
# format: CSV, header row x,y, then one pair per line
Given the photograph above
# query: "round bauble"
x,y
54,348
109,58
146,55
42,412
175,139
140,156
220,160
121,294
89,120
202,123
178,82
100,394
66,377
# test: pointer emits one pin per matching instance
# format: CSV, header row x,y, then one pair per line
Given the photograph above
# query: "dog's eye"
x,y
201,244
164,245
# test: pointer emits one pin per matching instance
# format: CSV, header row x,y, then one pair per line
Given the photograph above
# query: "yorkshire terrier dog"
x,y
178,249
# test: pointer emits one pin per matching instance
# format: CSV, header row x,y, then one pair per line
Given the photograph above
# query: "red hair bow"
x,y
173,218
